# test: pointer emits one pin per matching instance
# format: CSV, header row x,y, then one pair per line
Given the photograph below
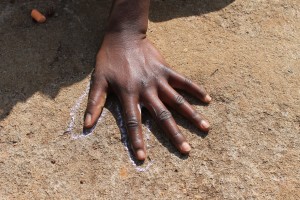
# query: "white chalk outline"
x,y
124,138
120,121
73,113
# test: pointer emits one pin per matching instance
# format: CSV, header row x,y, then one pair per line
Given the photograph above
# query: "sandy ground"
x,y
246,53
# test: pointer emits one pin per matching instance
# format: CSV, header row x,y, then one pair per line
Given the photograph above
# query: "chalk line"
x,y
73,113
121,125
124,138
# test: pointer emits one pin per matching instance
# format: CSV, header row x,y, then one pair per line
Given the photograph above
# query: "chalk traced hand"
x,y
128,65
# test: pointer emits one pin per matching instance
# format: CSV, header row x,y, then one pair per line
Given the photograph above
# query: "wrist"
x,y
129,17
122,40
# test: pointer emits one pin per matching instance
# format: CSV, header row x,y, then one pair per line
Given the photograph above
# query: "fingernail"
x,y
207,98
140,154
185,147
88,119
204,124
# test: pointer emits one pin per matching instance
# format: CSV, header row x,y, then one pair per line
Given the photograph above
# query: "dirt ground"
x,y
246,53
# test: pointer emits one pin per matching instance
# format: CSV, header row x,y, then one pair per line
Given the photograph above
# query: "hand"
x,y
131,67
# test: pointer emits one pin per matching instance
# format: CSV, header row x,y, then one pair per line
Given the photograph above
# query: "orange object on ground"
x,y
37,16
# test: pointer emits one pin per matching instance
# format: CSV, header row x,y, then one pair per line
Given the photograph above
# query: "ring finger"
x,y
167,122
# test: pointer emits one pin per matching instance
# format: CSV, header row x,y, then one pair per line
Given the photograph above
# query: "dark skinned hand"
x,y
128,65
135,71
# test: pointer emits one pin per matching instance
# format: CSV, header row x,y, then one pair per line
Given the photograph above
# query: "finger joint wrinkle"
x,y
164,115
179,99
188,82
92,102
132,123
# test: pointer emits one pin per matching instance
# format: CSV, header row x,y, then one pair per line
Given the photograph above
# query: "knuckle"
x,y
126,88
136,142
179,99
92,102
132,123
177,138
188,82
159,80
166,70
146,83
164,115
195,116
177,135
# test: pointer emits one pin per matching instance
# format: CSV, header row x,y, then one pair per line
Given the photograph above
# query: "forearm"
x,y
130,16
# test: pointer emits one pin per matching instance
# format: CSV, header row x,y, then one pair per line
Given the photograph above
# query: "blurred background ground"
x,y
246,53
